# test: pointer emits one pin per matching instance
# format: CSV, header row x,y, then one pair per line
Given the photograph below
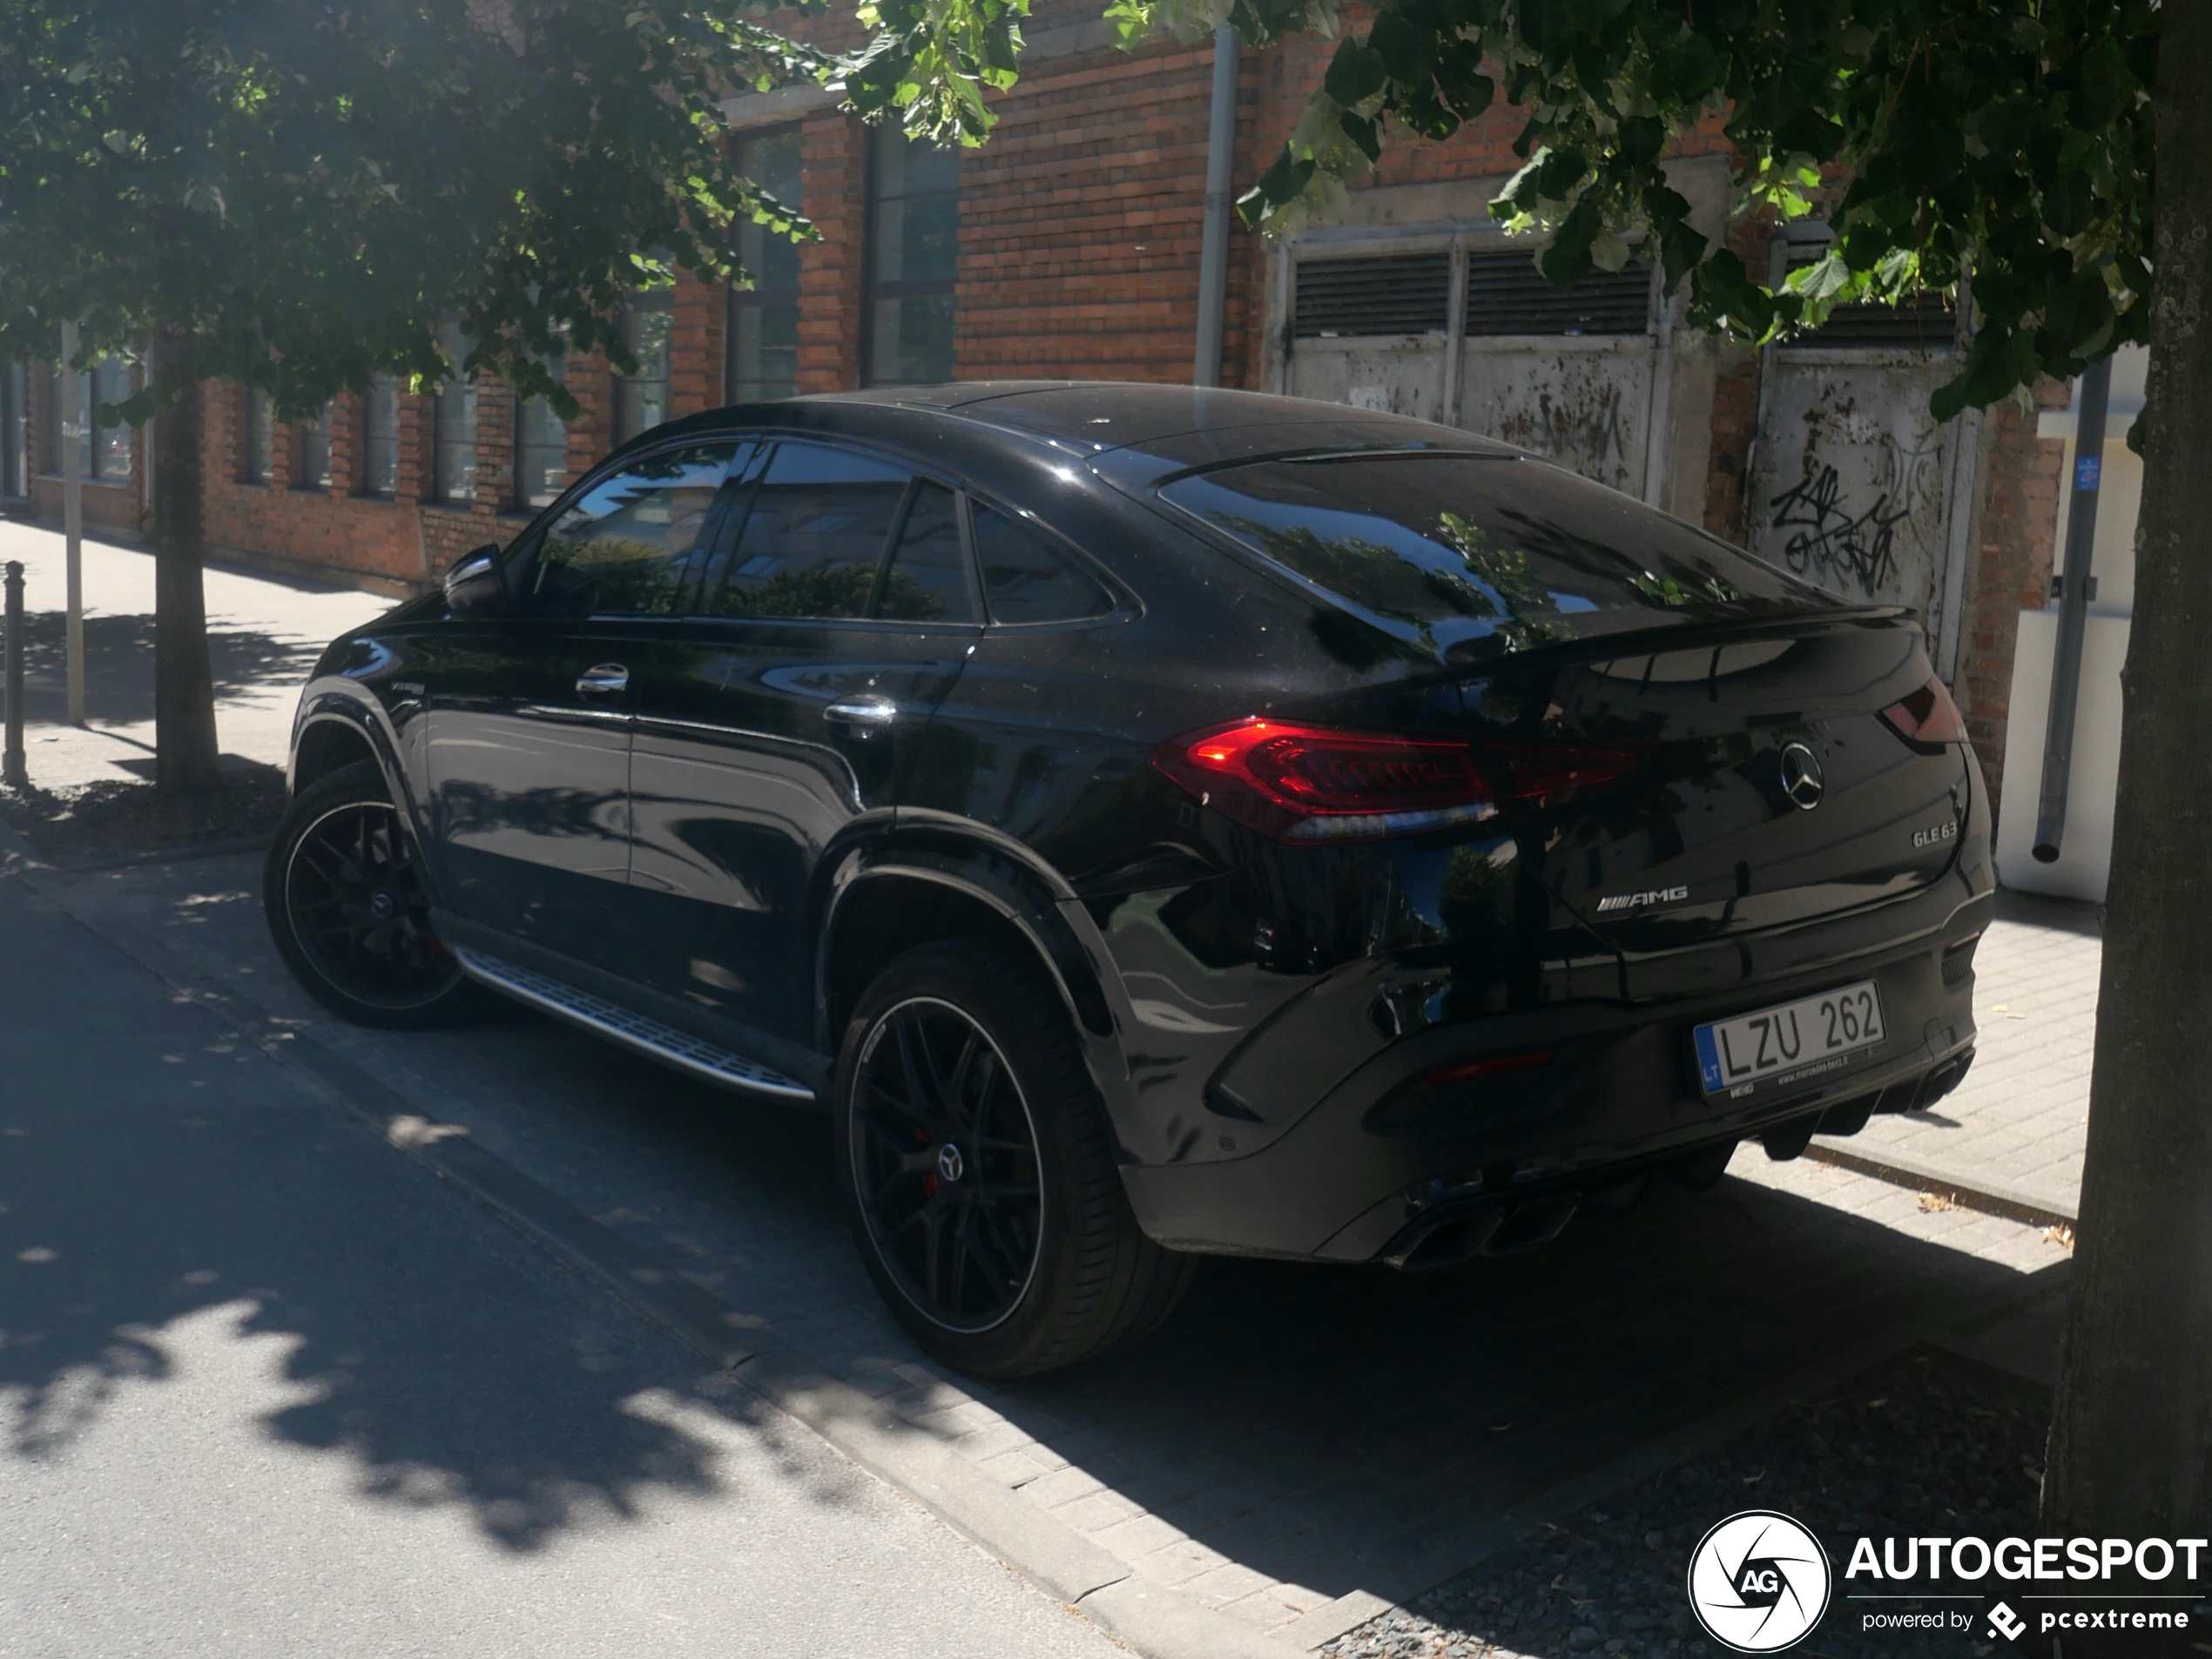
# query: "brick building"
x,y
1069,246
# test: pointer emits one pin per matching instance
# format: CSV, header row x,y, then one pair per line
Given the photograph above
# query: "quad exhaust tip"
x,y
1491,1228
1459,1232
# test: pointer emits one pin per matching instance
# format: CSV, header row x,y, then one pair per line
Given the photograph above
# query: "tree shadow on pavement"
x,y
1336,1428
1339,1428
118,666
154,1170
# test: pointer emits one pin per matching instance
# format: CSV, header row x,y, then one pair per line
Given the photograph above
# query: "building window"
x,y
111,447
313,470
15,432
456,415
913,231
379,473
641,400
103,454
763,318
257,454
541,447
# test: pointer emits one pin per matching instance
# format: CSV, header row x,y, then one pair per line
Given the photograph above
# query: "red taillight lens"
x,y
1928,716
1311,783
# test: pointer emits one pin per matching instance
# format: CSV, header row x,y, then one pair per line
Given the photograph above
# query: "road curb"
x,y
1976,1192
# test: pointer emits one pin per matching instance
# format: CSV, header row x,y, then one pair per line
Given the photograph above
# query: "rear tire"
x,y
978,1171
347,908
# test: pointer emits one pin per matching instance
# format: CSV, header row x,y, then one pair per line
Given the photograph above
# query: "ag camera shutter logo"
x,y
1758,1583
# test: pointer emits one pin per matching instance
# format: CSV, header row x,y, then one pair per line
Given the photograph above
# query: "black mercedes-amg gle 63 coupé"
x,y
1157,822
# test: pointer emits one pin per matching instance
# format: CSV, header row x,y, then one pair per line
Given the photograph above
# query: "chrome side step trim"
x,y
634,1031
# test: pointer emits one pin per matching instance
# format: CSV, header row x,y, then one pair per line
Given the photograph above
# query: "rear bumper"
x,y
1380,1159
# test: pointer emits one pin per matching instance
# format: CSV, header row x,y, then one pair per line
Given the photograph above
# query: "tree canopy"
x,y
303,189
2007,145
297,192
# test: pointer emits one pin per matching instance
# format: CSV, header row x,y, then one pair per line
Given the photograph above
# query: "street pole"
x,y
2089,405
73,520
11,765
1213,242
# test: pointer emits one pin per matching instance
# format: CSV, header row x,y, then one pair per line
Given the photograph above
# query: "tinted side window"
x,y
927,580
813,537
1025,580
624,547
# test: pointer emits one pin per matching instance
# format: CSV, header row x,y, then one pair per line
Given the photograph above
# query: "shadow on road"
x,y
1338,1428
151,1170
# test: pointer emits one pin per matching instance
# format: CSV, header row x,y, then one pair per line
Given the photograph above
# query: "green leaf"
x,y
1559,170
1679,249
1362,132
1684,71
1643,137
1568,259
1808,132
1283,181
1355,74
1408,52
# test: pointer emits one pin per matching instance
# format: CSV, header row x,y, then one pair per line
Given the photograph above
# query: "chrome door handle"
x,y
603,681
861,717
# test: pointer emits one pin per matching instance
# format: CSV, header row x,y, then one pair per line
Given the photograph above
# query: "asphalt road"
x,y
268,1387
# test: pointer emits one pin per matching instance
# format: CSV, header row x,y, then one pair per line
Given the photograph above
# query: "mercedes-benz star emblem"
x,y
950,1164
1758,1583
1801,778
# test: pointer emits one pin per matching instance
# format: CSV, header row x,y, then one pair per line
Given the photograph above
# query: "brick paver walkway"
x,y
2015,1129
1302,1446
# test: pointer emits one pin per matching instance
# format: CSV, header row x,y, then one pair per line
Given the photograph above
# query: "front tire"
x,y
346,907
978,1171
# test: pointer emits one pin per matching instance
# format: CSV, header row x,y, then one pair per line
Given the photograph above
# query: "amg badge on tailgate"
x,y
1638,900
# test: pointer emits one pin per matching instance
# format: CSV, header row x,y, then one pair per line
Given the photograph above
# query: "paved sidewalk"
x,y
263,635
2012,1134
1301,1447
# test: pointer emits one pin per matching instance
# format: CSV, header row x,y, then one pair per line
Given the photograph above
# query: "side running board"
x,y
648,1037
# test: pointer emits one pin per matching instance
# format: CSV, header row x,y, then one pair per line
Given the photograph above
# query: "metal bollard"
x,y
11,767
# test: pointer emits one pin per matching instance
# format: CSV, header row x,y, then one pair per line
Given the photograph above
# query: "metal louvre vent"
x,y
1925,322
1506,294
1399,294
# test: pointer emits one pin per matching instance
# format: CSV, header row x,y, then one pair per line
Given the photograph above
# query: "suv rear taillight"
x,y
1928,716
1315,783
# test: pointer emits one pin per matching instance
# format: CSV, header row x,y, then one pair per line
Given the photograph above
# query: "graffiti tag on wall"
x,y
1833,545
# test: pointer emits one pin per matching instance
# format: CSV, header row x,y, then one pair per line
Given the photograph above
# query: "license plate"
x,y
1791,1041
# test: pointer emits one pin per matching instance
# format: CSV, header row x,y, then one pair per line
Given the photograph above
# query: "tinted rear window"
x,y
1465,554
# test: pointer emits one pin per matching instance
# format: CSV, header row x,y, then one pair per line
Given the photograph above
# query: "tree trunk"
x,y
2130,1440
184,683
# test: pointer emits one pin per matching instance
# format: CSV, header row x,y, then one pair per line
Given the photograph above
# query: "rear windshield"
x,y
1465,555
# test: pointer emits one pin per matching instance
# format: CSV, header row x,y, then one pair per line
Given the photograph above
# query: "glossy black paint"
x,y
1257,1015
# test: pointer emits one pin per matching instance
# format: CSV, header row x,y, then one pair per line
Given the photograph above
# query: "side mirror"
x,y
477,581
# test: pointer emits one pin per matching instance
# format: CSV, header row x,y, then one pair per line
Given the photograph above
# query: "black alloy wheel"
x,y
947,1170
979,1169
348,908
